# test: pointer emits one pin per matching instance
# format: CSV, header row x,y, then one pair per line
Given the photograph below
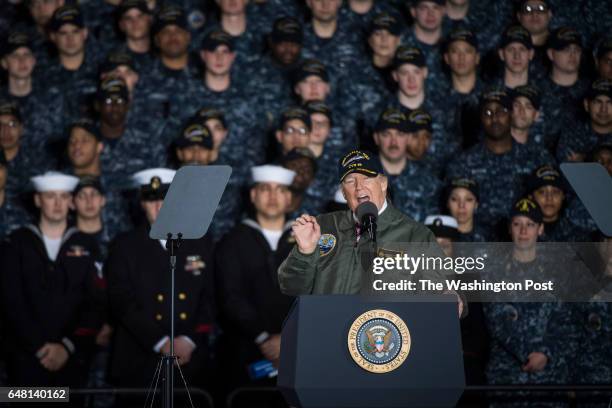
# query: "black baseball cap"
x,y
295,112
359,161
67,14
89,181
170,15
308,68
409,55
216,38
599,87
393,118
319,107
463,182
439,2
531,92
528,208
419,119
287,29
461,34
546,175
498,95
127,5
116,59
195,133
386,21
16,40
87,125
112,88
10,108
211,113
563,37
516,34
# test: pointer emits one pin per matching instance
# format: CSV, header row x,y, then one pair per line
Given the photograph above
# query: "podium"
x,y
317,368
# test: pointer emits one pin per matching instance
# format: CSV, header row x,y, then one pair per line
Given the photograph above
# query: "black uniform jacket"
x,y
45,301
138,277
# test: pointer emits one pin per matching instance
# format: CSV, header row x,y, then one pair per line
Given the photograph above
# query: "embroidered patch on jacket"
x,y
327,242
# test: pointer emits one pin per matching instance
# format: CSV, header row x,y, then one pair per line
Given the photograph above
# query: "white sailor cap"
x,y
339,197
54,181
443,226
269,173
441,221
144,177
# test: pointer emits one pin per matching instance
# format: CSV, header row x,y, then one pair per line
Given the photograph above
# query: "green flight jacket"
x,y
335,267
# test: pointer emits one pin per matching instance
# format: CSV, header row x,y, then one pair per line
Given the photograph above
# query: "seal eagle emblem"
x,y
379,341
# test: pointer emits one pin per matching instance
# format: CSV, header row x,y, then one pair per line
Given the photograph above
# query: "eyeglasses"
x,y
289,130
10,124
534,8
489,113
116,101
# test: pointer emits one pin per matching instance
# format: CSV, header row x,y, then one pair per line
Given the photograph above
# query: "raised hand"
x,y
307,232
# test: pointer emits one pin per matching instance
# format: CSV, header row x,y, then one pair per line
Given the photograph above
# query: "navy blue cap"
x,y
599,87
215,38
287,29
359,161
170,15
88,125
546,175
461,34
498,95
10,108
15,40
195,133
563,37
89,181
386,21
463,182
295,112
419,119
67,14
516,33
530,92
393,118
113,88
528,208
409,55
308,68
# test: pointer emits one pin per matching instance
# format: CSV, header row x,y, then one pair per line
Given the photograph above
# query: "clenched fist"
x,y
307,232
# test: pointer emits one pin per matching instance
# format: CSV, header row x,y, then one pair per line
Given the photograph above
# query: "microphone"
x,y
367,213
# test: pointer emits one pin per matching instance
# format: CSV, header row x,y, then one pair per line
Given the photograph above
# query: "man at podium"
x,y
327,256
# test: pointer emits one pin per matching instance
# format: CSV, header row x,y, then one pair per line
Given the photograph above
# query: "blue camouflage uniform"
x,y
416,191
338,53
12,216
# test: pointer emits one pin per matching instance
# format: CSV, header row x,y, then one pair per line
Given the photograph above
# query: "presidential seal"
x,y
379,341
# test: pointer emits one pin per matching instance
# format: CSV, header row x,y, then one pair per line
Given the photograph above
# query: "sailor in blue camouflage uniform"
x,y
578,140
462,196
516,53
412,76
526,101
74,72
373,83
530,342
22,161
327,39
194,146
563,91
273,72
84,150
41,12
246,29
460,91
12,214
99,17
127,148
536,17
327,146
42,110
222,88
548,188
166,86
485,18
426,34
313,81
414,189
135,21
497,163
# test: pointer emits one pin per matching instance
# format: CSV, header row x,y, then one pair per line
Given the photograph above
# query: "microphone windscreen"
x,y
366,209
